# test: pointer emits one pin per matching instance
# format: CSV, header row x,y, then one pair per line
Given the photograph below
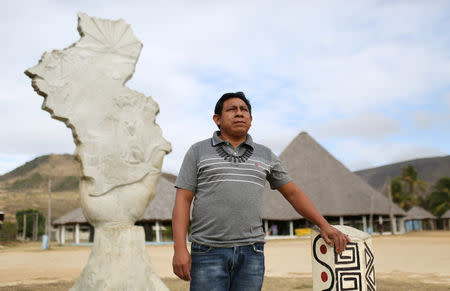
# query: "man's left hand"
x,y
334,237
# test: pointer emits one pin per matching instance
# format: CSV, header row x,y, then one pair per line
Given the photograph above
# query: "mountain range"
x,y
28,185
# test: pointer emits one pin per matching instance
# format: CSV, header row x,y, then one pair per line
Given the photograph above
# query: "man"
x,y
226,175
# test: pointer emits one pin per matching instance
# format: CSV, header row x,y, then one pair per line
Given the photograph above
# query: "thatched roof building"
x,y
159,209
418,213
334,189
72,217
446,214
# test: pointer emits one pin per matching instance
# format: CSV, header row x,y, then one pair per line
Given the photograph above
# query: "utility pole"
x,y
391,207
49,213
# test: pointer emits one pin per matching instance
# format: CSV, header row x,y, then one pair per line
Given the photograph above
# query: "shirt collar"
x,y
216,140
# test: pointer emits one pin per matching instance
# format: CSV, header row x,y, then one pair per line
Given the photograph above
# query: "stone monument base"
x,y
119,261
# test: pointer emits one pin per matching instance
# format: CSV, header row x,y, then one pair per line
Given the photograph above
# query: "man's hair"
x,y
226,96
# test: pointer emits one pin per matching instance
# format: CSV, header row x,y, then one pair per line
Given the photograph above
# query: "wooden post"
x,y
35,226
24,228
291,228
341,220
391,207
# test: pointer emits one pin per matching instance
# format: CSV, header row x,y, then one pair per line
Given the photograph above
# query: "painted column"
x,y
266,227
157,229
63,234
341,220
77,233
291,228
352,270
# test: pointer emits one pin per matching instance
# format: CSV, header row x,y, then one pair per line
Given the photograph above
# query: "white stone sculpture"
x,y
352,270
118,143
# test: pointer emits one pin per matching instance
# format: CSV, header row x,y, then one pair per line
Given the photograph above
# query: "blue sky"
x,y
369,80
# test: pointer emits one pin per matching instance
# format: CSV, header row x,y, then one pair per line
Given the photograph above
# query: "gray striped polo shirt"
x,y
228,184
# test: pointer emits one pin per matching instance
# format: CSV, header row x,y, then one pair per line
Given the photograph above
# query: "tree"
x,y
30,221
407,189
438,202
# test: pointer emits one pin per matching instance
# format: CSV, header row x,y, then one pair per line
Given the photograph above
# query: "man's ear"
x,y
216,118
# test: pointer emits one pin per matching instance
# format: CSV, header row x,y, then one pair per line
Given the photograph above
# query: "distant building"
x,y
341,196
446,220
418,218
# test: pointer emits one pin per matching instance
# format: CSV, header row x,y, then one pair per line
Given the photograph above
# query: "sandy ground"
x,y
423,257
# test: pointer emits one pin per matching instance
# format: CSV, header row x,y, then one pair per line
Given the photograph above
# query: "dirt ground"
x,y
413,261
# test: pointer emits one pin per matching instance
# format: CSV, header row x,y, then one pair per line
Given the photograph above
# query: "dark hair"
x,y
226,96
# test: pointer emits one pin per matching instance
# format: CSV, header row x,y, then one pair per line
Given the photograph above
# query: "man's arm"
x,y
181,262
305,207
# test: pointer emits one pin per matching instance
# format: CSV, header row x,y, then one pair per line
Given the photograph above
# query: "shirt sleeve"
x,y
187,177
278,175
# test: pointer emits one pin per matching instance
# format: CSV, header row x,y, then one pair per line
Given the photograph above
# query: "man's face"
x,y
235,119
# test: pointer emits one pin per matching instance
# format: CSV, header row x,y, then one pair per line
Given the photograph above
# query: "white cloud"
x,y
336,70
365,125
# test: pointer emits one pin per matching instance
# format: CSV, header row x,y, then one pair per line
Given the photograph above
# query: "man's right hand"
x,y
181,264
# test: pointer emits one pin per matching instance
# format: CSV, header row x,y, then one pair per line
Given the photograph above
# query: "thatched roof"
x,y
418,213
446,214
334,189
74,216
159,209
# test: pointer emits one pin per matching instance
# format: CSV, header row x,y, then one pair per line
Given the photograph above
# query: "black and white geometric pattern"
x,y
348,269
370,268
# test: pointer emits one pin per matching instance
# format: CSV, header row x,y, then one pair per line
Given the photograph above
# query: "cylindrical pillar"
x,y
77,233
63,234
157,230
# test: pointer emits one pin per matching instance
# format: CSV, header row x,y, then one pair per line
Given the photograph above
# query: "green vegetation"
x,y
26,168
33,181
30,221
438,202
8,231
407,190
68,183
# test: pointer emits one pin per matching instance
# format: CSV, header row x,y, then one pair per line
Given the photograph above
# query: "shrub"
x,y
8,231
33,181
68,183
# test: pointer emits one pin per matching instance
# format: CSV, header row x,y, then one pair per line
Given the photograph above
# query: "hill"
x,y
27,186
429,170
